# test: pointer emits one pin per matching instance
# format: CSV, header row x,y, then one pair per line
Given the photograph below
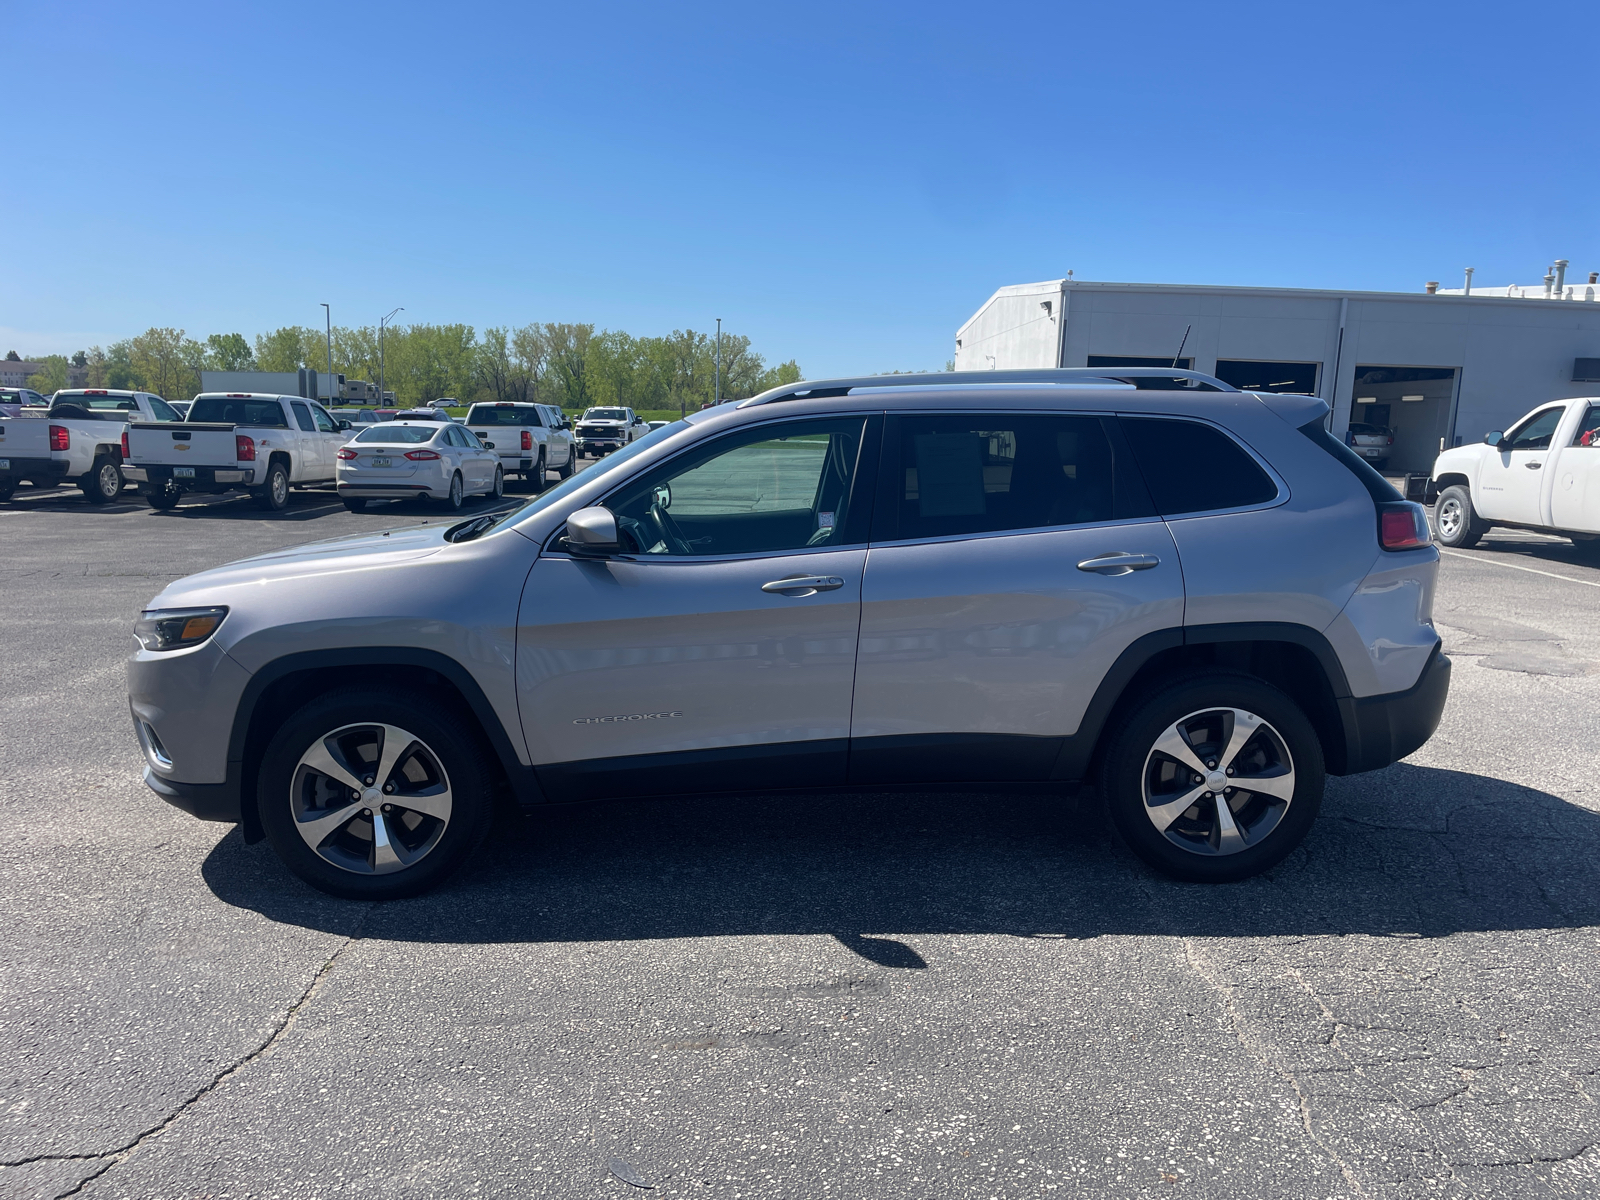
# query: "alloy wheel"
x,y
280,489
370,799
109,481
1450,517
1218,781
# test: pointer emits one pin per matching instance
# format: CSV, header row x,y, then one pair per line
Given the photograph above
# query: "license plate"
x,y
380,462
5,464
183,472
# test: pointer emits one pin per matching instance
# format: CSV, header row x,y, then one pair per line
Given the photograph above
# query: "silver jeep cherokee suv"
x,y
1192,596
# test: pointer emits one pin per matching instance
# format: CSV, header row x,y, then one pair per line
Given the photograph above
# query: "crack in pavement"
x,y
121,1153
1263,1054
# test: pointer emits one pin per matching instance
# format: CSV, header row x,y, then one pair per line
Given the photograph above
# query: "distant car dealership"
x,y
1431,366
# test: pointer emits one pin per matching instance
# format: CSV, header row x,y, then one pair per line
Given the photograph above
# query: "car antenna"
x,y
1181,345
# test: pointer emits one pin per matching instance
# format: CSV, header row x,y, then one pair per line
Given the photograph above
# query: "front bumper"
x,y
208,801
1380,730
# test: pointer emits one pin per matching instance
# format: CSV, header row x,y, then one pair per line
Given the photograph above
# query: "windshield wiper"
x,y
474,528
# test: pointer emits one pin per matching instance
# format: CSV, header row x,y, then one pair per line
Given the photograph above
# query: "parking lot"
x,y
906,995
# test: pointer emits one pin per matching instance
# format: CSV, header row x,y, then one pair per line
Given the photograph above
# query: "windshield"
x,y
263,414
398,435
605,466
502,414
606,414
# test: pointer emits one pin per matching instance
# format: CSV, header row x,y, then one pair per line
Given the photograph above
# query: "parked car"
x,y
431,460
602,430
181,407
654,425
356,416
1199,599
263,444
1543,474
1372,442
529,439
14,400
82,438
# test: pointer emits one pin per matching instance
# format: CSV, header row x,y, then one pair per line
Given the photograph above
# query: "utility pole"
x,y
381,324
718,398
328,314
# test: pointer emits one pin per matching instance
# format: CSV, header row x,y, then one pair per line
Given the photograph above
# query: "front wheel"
x,y
372,796
1459,524
1213,777
103,483
565,472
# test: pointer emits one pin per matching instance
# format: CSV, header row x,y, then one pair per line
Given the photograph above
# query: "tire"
x,y
443,780
7,490
355,504
456,495
273,495
1142,783
1380,464
1459,524
566,468
499,489
537,477
1587,550
103,483
162,496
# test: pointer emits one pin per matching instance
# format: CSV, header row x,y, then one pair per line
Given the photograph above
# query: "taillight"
x,y
347,454
421,455
1391,439
60,438
527,440
244,448
1402,525
125,452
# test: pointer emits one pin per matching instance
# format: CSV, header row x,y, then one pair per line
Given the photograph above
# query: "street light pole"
x,y
381,324
328,314
718,397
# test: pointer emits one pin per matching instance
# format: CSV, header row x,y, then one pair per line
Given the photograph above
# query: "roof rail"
x,y
1082,376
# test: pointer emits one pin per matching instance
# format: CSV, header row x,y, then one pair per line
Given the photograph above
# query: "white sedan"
x,y
439,460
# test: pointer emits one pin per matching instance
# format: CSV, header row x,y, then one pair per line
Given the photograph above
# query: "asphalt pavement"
x,y
914,995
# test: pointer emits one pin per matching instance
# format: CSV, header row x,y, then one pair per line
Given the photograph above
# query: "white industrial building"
x,y
1431,366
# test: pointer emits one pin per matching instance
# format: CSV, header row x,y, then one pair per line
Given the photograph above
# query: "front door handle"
x,y
1119,563
803,585
1533,466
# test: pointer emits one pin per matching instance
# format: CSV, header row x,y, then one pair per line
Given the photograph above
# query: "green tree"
x,y
290,348
229,352
567,348
167,361
54,376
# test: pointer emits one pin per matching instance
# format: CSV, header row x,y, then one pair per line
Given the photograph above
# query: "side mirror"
x,y
344,424
592,533
488,445
1494,438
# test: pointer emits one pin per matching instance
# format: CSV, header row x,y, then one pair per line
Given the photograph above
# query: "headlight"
x,y
176,628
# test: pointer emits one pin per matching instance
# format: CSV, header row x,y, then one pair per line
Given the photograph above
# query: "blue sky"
x,y
845,183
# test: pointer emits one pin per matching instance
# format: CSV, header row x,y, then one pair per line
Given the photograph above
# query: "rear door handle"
x,y
1119,563
803,585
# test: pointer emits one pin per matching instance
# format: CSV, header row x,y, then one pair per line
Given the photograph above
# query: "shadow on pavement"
x,y
1408,851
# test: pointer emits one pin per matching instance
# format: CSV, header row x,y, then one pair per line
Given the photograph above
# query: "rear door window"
x,y
1194,468
950,474
302,417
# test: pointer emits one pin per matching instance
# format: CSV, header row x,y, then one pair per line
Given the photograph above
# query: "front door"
x,y
1575,490
1014,557
1511,481
313,462
718,651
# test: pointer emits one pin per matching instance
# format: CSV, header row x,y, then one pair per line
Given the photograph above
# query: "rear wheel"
x,y
1588,550
274,494
103,483
499,488
1214,777
1459,524
373,796
537,476
457,494
162,496
7,489
355,504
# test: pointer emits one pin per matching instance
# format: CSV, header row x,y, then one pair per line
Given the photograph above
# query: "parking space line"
x,y
1516,567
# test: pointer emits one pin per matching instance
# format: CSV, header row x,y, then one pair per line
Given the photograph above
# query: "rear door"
x,y
1014,557
1511,481
1575,491
720,653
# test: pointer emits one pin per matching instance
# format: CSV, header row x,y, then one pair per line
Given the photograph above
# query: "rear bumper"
x,y
208,801
36,470
1380,730
202,477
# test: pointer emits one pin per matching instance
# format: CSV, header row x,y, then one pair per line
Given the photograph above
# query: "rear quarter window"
x,y
1379,488
1193,468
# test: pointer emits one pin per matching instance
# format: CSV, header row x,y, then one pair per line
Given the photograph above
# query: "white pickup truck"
x,y
1542,474
81,438
530,438
263,444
